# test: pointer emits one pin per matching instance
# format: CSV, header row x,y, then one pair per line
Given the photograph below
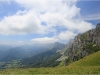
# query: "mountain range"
x,y
51,55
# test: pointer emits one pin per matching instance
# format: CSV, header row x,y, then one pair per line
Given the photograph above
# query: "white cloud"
x,y
78,25
21,23
67,35
44,40
54,13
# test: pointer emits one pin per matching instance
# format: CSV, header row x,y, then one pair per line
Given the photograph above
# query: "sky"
x,y
46,21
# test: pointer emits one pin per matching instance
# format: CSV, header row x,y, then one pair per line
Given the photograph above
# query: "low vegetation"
x,y
56,70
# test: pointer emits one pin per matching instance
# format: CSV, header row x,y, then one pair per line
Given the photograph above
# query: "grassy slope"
x,y
91,60
87,65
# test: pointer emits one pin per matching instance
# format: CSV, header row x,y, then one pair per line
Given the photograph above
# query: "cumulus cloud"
x,y
21,23
62,13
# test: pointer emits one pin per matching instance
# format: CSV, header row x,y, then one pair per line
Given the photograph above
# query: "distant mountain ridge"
x,y
45,59
59,45
20,52
36,55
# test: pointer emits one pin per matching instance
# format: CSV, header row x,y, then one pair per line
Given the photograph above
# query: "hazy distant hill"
x,y
36,55
24,51
3,49
46,59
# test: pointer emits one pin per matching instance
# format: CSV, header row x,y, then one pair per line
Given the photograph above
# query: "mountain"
x,y
35,55
59,46
3,49
24,51
45,59
50,55
83,45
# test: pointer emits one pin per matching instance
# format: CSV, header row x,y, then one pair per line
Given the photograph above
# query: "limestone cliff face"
x,y
83,44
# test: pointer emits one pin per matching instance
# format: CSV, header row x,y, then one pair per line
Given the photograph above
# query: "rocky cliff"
x,y
83,45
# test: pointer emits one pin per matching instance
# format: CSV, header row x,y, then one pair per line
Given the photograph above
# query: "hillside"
x,y
91,60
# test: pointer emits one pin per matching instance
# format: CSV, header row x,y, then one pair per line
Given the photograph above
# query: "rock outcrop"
x,y
83,44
